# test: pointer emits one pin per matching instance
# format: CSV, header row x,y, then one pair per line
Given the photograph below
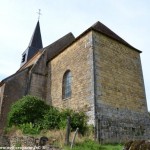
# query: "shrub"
x,y
32,114
51,119
55,119
26,110
29,128
78,120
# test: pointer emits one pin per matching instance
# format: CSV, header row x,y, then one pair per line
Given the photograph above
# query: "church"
x,y
97,72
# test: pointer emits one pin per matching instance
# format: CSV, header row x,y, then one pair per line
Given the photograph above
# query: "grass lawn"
x,y
112,147
91,145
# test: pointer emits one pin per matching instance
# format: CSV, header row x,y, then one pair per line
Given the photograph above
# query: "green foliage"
x,y
26,110
88,145
78,119
55,119
31,114
112,147
92,145
51,119
29,128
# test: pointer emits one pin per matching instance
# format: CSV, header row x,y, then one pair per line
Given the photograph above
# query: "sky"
x,y
130,19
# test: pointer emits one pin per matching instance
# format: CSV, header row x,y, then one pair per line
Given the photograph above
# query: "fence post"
x,y
68,131
74,137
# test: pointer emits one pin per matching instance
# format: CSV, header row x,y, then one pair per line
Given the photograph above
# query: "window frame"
x,y
66,85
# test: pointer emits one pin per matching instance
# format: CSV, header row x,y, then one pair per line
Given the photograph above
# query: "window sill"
x,y
65,99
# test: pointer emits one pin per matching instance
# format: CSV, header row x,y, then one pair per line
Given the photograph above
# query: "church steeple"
x,y
34,45
36,40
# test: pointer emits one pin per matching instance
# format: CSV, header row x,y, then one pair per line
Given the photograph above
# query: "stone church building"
x,y
97,72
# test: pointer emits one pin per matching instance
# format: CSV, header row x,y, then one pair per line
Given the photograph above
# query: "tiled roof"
x,y
98,26
57,47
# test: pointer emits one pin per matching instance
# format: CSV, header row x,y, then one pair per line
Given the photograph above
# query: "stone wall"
x,y
121,125
38,77
27,142
78,58
121,108
15,83
119,76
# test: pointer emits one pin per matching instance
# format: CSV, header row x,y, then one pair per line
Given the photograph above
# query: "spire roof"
x,y
36,40
34,46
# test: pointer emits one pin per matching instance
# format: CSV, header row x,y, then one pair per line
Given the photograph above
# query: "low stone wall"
x,y
4,141
27,142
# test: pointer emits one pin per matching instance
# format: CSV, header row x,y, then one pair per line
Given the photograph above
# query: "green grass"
x,y
91,145
112,147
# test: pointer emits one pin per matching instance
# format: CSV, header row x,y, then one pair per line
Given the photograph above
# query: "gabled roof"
x,y
58,46
99,27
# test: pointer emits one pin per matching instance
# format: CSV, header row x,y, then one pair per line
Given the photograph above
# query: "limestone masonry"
x,y
97,72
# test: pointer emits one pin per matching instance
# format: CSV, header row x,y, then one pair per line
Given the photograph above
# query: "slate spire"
x,y
36,40
34,46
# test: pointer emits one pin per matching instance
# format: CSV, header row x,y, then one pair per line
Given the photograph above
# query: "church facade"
x,y
97,72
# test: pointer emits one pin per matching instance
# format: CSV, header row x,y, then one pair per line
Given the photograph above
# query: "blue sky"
x,y
130,19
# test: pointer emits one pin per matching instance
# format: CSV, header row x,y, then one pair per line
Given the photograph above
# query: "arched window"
x,y
66,87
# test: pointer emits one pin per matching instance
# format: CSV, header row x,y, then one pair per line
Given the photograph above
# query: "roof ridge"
x,y
100,27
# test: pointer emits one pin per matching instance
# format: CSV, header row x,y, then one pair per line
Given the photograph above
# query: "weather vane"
x,y
39,13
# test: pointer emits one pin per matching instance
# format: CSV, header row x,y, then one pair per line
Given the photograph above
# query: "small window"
x,y
66,87
23,58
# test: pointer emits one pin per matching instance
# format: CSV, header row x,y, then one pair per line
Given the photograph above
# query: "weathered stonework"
x,y
121,108
119,76
17,83
78,58
38,77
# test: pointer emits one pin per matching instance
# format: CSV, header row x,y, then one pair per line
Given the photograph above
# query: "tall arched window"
x,y
66,87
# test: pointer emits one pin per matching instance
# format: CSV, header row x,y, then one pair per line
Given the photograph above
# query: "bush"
x,y
26,110
55,119
29,128
51,119
31,114
78,120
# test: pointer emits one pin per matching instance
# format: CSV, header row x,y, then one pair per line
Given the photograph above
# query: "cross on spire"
x,y
39,13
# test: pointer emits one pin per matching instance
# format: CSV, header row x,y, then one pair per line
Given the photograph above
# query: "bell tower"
x,y
34,46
